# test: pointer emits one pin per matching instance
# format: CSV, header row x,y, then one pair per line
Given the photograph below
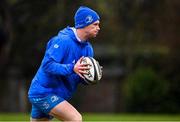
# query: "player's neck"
x,y
81,34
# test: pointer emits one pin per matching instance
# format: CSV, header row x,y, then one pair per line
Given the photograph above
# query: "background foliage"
x,y
134,34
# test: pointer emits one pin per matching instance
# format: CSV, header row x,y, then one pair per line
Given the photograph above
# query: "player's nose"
x,y
98,28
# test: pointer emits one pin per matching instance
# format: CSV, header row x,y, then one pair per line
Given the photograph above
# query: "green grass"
x,y
102,117
131,117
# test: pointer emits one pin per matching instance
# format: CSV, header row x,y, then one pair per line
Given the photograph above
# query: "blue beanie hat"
x,y
85,16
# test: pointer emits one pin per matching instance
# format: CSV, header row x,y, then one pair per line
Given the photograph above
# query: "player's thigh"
x,y
66,112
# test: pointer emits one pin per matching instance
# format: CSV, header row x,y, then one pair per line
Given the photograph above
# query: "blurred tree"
x,y
159,37
168,26
6,33
145,91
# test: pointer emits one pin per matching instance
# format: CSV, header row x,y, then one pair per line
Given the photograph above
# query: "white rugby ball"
x,y
95,71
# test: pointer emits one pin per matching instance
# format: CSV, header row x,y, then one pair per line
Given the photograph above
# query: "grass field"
x,y
102,117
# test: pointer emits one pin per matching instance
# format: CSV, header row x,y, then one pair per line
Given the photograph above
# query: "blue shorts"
x,y
41,106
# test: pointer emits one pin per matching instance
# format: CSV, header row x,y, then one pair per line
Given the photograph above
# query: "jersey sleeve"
x,y
55,53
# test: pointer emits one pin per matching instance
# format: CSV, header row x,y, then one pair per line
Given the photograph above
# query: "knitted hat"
x,y
85,16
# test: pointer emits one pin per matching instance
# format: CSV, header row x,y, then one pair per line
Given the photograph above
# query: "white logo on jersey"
x,y
56,46
45,105
54,98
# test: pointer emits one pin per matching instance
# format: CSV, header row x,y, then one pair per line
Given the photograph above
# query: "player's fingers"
x,y
86,64
83,68
83,72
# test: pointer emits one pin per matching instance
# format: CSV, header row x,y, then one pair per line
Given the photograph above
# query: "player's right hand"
x,y
81,68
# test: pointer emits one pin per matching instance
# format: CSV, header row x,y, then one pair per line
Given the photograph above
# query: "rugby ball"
x,y
94,74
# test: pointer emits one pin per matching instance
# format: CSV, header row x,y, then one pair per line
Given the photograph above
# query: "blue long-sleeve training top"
x,y
55,74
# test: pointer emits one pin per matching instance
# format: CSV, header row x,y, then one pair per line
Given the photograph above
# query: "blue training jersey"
x,y
55,74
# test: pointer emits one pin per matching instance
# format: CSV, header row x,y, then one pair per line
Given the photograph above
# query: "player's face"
x,y
92,29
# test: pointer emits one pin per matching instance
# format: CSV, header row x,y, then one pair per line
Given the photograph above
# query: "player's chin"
x,y
95,35
92,36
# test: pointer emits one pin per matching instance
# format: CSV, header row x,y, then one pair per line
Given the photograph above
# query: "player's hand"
x,y
81,68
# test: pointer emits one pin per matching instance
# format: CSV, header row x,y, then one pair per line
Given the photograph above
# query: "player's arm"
x,y
55,53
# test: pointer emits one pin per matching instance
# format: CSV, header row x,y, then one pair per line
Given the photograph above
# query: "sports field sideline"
x,y
103,117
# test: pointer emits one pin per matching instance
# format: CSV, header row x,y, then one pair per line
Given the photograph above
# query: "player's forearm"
x,y
55,68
